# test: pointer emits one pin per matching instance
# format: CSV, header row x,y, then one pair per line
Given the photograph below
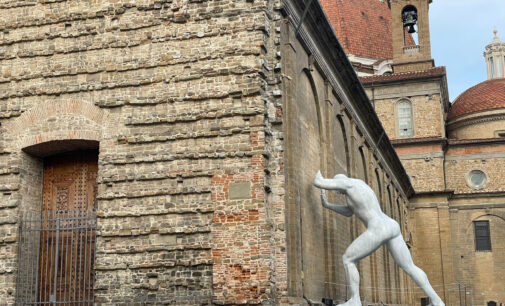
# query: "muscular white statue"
x,y
381,229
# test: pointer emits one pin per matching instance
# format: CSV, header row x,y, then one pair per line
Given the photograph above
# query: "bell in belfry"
x,y
409,17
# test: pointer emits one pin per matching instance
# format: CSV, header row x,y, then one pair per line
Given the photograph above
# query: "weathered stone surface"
x,y
190,103
239,190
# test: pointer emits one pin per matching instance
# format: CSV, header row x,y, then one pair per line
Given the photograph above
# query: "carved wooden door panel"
x,y
67,243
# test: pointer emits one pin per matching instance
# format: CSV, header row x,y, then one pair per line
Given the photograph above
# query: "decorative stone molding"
x,y
474,119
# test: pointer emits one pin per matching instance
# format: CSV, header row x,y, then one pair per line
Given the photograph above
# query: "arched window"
x,y
404,117
492,303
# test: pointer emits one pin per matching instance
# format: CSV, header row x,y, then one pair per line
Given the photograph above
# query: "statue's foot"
x,y
352,302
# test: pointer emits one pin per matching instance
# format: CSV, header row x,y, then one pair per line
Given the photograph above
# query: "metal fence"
x,y
56,256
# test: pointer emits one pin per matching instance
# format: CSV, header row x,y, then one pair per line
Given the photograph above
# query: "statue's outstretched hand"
x,y
319,177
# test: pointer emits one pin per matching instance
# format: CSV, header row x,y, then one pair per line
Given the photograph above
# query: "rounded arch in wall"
x,y
410,23
307,74
346,144
484,215
46,130
481,217
362,166
51,128
304,157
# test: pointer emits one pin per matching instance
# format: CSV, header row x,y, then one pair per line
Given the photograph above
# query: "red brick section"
x,y
489,94
436,71
419,149
363,27
479,148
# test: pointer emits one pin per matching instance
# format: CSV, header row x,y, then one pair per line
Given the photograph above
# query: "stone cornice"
x,y
417,141
318,37
477,195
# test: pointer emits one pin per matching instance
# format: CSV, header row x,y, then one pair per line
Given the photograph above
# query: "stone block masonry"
x,y
172,92
190,102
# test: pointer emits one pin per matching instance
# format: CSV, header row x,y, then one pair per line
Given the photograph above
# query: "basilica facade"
x,y
453,151
163,152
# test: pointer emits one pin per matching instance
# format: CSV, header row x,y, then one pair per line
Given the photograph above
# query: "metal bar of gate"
x,y
56,257
56,254
85,262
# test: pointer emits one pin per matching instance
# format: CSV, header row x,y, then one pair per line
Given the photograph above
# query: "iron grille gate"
x,y
56,257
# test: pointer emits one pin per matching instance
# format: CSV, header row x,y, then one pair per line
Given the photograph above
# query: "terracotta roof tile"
x,y
363,27
489,94
436,71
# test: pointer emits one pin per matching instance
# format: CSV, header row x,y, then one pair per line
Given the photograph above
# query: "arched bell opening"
x,y
410,26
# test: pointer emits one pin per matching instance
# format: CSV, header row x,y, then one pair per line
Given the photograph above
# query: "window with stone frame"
x,y
404,118
482,235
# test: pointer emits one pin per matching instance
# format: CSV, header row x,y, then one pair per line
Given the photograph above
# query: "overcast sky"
x,y
460,30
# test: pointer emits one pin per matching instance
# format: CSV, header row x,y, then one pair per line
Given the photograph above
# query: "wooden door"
x,y
67,228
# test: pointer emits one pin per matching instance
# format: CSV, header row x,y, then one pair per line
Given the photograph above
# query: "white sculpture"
x,y
381,229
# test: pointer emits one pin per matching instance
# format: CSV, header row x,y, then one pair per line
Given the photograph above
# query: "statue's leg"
x,y
360,248
398,249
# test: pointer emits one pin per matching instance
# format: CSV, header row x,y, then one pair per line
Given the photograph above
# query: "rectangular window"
x,y
405,119
482,236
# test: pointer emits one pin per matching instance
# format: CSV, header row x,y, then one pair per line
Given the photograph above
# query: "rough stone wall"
x,y
444,247
423,162
488,158
186,101
426,114
427,253
481,272
426,173
171,90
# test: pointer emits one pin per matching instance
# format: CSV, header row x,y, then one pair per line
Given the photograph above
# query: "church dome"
x,y
484,96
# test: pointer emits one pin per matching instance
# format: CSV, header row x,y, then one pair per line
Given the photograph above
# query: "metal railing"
x,y
56,258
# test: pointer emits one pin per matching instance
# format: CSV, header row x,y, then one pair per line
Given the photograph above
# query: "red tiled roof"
x,y
436,71
363,27
489,94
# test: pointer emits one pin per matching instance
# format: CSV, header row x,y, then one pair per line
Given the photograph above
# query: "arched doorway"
x,y
57,243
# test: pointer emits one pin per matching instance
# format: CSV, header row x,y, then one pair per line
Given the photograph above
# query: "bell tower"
x,y
411,35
